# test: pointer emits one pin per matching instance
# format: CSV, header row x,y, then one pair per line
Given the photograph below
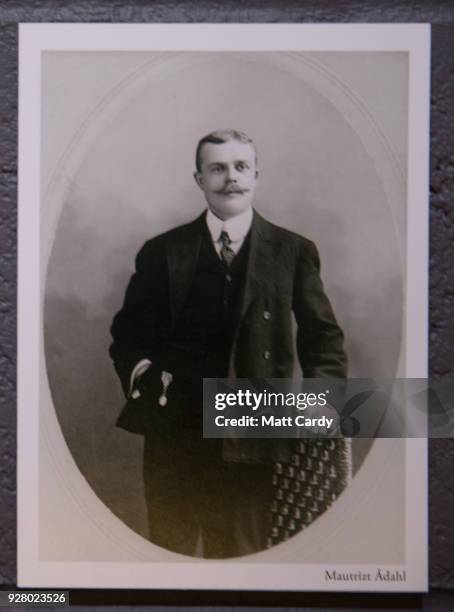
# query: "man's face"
x,y
228,177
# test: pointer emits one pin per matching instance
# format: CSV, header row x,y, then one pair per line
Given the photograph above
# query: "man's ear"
x,y
256,174
198,179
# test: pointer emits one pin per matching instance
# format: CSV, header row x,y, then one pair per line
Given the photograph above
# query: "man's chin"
x,y
230,207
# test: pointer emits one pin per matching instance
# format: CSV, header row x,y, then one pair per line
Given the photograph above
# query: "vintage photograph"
x,y
209,210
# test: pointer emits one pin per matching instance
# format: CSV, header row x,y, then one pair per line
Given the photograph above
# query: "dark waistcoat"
x,y
204,331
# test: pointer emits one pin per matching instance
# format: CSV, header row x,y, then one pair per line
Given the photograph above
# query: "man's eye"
x,y
241,167
216,169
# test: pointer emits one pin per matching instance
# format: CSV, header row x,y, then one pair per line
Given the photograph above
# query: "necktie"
x,y
227,253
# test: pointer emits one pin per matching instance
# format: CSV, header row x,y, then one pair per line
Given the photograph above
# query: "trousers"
x,y
192,494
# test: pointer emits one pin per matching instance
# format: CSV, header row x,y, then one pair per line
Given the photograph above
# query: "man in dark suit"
x,y
215,298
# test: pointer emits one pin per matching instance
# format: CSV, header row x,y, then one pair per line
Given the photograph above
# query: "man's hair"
x,y
219,137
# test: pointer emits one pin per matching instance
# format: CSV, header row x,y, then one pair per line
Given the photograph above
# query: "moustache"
x,y
231,190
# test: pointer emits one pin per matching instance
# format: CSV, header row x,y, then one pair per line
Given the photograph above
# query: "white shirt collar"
x,y
236,227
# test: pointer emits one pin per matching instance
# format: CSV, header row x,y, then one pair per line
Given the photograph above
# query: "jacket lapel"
x,y
182,254
263,251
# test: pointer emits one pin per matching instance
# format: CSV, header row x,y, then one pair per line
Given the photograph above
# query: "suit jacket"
x,y
282,277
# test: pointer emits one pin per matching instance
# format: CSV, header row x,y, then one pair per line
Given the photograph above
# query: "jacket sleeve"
x,y
319,337
139,327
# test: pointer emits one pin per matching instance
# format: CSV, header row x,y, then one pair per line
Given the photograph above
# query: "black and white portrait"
x,y
213,213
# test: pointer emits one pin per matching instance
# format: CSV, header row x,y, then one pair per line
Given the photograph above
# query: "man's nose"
x,y
231,174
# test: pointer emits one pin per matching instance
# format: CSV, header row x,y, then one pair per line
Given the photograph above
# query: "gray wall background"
x,y
442,187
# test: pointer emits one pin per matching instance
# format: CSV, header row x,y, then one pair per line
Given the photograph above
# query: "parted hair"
x,y
219,137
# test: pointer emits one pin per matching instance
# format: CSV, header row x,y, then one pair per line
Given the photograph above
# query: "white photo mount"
x,y
78,84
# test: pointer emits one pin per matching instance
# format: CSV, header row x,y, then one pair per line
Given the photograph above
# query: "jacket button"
x,y
228,278
266,354
267,315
